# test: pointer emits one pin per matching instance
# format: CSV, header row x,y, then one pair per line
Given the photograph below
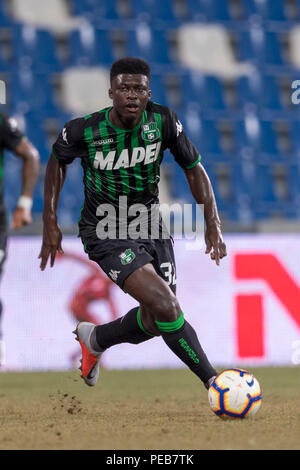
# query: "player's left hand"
x,y
214,243
21,217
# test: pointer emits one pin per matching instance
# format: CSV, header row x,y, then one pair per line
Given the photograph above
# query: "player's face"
x,y
130,95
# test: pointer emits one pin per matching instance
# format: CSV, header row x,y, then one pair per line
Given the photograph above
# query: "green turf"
x,y
164,409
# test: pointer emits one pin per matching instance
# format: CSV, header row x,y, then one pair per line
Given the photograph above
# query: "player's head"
x,y
129,86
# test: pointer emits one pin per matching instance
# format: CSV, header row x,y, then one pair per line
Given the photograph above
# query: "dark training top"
x,y
10,137
123,162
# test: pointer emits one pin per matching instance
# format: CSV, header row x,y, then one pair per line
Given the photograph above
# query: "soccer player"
x,y
121,148
12,139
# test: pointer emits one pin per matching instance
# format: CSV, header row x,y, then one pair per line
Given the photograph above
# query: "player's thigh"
x,y
117,258
153,294
164,261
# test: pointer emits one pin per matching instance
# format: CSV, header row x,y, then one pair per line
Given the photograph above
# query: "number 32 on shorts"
x,y
169,272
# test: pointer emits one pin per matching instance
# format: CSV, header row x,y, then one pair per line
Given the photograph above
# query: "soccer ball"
x,y
235,393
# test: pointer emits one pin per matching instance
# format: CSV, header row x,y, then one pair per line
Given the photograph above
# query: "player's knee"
x,y
165,307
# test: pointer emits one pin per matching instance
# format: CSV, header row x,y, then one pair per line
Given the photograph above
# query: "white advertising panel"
x,y
247,310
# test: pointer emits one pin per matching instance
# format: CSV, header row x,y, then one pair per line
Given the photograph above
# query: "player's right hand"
x,y
51,244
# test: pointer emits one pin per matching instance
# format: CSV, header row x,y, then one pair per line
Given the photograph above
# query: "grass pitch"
x,y
165,409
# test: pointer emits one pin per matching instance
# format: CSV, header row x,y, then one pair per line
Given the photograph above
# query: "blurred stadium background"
x,y
227,68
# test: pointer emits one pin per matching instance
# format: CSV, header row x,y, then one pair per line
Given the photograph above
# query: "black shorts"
x,y
120,258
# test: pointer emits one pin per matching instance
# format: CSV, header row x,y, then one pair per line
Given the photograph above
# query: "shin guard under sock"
x,y
182,339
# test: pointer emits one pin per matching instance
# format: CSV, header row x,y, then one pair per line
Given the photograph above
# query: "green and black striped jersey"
x,y
10,137
123,162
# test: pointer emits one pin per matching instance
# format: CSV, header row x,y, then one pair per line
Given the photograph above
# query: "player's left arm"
x,y
30,170
202,191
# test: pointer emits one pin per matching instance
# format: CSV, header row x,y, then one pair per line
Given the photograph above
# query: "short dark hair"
x,y
130,65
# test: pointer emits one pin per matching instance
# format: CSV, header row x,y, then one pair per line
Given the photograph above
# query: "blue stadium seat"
x,y
148,44
259,92
4,64
5,19
203,133
93,49
158,89
35,48
260,47
259,136
207,91
294,137
223,181
273,195
95,10
273,10
211,10
71,200
32,92
36,133
153,9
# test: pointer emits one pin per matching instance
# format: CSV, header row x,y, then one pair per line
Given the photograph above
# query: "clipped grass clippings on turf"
x,y
163,409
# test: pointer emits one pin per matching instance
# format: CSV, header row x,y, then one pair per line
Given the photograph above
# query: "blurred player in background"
x,y
12,139
95,287
121,149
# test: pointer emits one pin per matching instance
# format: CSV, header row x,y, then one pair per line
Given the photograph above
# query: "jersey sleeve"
x,y
68,145
185,153
11,135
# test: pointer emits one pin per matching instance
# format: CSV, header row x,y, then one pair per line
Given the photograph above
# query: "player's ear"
x,y
149,94
110,93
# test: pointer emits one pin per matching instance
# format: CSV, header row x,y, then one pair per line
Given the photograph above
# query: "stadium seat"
x,y
294,137
208,49
89,46
273,10
35,48
52,16
261,47
32,92
85,90
148,44
36,132
259,92
211,10
71,200
204,134
158,89
258,135
207,91
273,195
146,10
222,177
95,10
4,64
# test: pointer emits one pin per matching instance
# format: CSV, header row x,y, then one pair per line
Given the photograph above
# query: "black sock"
x,y
127,329
182,339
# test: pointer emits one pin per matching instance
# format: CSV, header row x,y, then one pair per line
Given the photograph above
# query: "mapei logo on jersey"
x,y
150,132
112,161
127,257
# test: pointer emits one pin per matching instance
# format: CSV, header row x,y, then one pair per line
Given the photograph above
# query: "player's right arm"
x,y
65,150
52,236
